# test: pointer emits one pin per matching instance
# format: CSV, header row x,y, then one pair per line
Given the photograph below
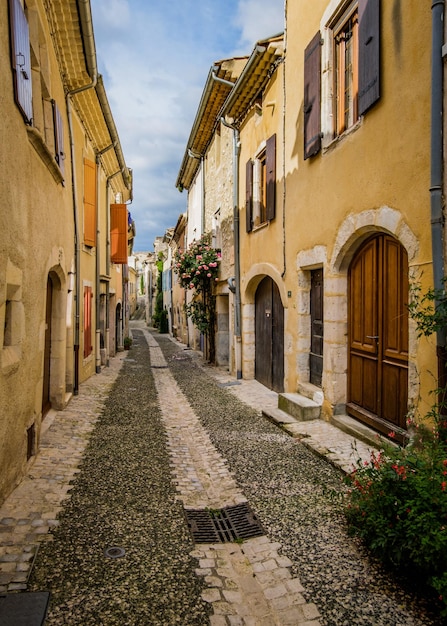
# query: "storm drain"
x,y
231,523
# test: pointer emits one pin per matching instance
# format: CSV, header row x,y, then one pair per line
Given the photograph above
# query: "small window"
x,y
346,71
21,59
7,337
89,203
88,297
260,183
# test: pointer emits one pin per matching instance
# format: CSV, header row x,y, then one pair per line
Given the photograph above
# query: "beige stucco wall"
x,y
37,241
375,178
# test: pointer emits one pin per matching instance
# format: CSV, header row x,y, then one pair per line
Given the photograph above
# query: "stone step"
x,y
300,407
360,431
311,391
278,416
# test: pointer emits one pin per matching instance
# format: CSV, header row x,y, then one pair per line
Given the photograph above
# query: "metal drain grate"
x,y
223,525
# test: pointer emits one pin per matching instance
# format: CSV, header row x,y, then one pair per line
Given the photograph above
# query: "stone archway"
x,y
353,232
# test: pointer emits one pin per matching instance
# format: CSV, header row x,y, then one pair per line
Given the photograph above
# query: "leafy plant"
x,y
198,269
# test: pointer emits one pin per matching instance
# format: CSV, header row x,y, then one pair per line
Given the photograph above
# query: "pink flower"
x,y
443,485
209,275
392,434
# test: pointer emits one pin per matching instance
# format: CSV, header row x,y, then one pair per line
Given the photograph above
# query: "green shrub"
x,y
397,503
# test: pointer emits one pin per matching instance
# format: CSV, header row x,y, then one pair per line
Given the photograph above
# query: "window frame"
x,y
260,186
369,43
343,111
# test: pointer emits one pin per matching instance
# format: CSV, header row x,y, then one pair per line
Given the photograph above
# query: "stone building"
x,y
331,180
60,257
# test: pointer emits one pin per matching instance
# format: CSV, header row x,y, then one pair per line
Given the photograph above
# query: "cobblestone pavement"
x,y
249,583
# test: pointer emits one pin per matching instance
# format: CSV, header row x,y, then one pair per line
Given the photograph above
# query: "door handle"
x,y
372,336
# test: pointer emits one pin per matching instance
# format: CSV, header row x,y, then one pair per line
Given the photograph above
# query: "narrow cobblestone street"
x,y
154,434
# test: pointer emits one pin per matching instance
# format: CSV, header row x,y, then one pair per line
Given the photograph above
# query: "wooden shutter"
x,y
249,195
88,296
312,97
118,233
369,54
270,163
89,203
21,60
59,138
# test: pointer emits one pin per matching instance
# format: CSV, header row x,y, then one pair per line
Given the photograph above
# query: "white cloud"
x,y
155,57
259,19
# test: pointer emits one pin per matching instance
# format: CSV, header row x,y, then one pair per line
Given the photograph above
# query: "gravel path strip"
x,y
291,490
123,497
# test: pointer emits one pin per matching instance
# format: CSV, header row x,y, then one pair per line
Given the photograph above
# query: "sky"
x,y
154,56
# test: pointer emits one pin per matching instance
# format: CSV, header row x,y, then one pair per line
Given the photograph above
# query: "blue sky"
x,y
155,56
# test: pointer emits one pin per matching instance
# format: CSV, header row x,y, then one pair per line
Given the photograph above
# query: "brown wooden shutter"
x,y
89,203
369,54
249,195
312,97
59,137
118,233
21,60
270,166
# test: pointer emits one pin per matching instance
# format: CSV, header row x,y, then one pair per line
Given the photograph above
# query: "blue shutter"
x,y
21,60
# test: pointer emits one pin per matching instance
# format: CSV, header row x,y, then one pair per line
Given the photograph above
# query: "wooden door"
x,y
378,334
46,403
269,343
316,323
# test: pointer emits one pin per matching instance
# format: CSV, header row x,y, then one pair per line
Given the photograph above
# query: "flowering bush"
x,y
397,503
198,269
198,266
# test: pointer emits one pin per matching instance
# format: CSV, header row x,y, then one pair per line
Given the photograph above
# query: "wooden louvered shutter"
x,y
118,233
369,54
249,195
312,97
58,137
89,203
270,166
21,60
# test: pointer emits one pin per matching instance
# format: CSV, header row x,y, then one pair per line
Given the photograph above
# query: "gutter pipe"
x,y
436,187
85,17
236,284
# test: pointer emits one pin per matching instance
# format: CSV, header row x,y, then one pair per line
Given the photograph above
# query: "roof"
x,y
256,73
244,78
221,78
72,32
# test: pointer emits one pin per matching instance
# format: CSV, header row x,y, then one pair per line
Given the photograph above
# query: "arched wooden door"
x,y
378,334
269,343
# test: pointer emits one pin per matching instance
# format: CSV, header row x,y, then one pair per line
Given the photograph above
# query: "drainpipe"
x,y
98,265
77,245
437,218
85,17
235,285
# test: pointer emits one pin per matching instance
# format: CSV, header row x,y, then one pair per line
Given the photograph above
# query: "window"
x,y
89,203
12,319
348,49
88,297
260,189
21,60
346,71
32,86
